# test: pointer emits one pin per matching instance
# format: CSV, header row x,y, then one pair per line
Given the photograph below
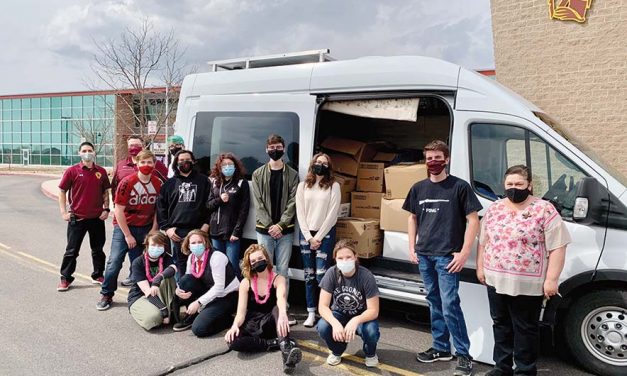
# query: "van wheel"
x,y
596,331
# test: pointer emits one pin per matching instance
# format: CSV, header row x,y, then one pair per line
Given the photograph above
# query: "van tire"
x,y
587,321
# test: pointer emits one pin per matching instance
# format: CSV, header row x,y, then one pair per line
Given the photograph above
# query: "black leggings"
x,y
246,342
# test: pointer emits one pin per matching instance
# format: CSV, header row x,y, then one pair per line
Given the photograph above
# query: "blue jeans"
x,y
231,249
368,331
447,318
119,248
315,268
280,251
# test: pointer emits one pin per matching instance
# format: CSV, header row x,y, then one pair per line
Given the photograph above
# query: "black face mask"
x,y
259,266
173,151
516,195
275,154
185,166
320,170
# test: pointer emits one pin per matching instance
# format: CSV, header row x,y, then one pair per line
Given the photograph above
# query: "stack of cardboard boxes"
x,y
373,191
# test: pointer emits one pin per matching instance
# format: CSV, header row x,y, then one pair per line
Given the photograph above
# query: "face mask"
x,y
228,171
155,251
320,170
517,195
175,150
275,155
88,157
435,167
346,266
259,266
185,166
134,150
146,170
197,249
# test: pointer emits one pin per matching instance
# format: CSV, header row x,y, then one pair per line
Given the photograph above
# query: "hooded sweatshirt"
x,y
182,201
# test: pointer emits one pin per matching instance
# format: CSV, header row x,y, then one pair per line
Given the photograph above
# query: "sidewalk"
x,y
50,188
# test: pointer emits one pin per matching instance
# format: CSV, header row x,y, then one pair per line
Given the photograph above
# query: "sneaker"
x,y
372,361
464,366
433,355
64,285
291,320
185,324
311,321
334,360
291,354
498,372
104,303
97,281
127,282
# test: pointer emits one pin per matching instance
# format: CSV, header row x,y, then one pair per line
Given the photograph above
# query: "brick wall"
x,y
124,121
575,72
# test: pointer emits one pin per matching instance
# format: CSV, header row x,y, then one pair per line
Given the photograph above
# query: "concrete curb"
x,y
21,173
47,191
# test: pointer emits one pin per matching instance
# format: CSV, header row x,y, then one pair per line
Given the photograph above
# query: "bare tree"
x,y
135,64
94,131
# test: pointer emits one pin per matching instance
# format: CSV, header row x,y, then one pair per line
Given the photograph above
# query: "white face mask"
x,y
88,157
346,266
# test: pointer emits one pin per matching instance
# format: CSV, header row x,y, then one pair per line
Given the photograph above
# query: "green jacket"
x,y
261,197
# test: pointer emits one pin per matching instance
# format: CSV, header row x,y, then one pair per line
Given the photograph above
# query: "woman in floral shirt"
x,y
521,252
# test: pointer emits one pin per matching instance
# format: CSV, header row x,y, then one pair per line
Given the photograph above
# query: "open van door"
x,y
241,123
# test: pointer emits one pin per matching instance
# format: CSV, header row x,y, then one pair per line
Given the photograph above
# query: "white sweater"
x,y
317,209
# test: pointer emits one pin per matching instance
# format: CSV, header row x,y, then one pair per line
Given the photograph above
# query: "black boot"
x,y
176,311
272,344
291,355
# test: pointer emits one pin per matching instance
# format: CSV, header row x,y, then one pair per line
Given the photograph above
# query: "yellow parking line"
x,y
315,358
399,371
4,246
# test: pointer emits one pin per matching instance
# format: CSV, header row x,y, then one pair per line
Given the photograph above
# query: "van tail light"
x,y
580,211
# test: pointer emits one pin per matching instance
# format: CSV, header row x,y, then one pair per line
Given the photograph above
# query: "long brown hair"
x,y
185,246
216,171
157,237
246,269
327,180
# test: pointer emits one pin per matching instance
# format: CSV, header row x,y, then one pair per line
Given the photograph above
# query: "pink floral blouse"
x,y
517,245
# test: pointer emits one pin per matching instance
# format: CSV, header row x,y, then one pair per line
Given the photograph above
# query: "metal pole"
x,y
167,102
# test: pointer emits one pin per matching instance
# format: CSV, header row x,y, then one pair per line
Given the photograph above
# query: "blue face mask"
x,y
197,249
228,171
155,251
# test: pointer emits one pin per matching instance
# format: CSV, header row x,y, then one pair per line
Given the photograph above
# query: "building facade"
x,y
575,70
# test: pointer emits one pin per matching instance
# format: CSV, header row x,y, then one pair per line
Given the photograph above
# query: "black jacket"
x,y
228,218
182,201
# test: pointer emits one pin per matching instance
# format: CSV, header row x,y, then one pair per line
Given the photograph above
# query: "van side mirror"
x,y
588,207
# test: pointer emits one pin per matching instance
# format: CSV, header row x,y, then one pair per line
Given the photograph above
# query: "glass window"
x,y
66,112
77,101
55,102
35,159
36,137
25,103
35,102
244,134
16,114
45,102
45,126
26,127
46,137
77,112
16,126
17,138
35,114
6,104
55,160
45,113
26,114
66,102
7,137
56,125
110,101
55,138
6,115
88,112
26,137
88,100
496,147
16,104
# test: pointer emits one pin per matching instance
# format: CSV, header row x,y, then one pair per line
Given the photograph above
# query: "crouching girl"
x,y
262,311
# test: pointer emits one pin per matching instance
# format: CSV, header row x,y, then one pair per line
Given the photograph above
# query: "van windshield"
x,y
581,146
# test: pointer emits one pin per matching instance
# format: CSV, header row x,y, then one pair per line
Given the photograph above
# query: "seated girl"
x,y
262,311
150,298
348,305
208,288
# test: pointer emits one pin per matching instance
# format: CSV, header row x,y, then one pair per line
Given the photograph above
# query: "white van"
x,y
238,104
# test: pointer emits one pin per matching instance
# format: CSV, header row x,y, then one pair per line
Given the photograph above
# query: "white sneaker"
x,y
333,360
372,361
311,321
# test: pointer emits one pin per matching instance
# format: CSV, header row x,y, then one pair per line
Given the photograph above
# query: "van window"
x,y
495,147
243,134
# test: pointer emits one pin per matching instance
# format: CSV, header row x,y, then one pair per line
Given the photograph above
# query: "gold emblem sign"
x,y
569,10
98,175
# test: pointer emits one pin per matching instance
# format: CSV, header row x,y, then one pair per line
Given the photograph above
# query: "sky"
x,y
49,45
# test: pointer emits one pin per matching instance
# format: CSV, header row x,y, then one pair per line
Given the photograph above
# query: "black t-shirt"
x,y
276,194
441,210
350,294
138,272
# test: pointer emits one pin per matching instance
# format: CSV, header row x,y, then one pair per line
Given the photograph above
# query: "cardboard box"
x,y
401,177
345,211
370,177
396,245
347,185
365,232
393,217
387,158
346,154
366,205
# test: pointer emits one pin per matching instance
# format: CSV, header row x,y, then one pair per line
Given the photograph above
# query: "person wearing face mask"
x,y
228,204
261,322
150,298
181,206
208,289
349,305
522,245
127,167
317,205
135,203
87,186
442,227
175,144
274,194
